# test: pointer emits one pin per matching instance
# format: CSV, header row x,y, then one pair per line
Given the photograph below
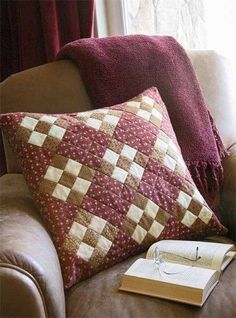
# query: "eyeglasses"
x,y
161,263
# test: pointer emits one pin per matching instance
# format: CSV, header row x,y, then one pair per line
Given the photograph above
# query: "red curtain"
x,y
33,31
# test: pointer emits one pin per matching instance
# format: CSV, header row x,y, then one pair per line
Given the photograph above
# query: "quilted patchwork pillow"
x,y
108,182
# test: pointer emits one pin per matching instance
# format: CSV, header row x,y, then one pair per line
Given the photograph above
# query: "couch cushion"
x,y
108,182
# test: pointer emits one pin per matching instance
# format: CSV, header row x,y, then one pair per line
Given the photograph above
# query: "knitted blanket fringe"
x,y
208,177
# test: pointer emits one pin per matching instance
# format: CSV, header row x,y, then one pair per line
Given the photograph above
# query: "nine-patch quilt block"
x,y
108,182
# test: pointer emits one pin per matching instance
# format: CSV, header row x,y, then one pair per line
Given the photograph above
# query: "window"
x,y
196,24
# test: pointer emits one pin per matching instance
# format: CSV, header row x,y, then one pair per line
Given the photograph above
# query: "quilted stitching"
x,y
108,182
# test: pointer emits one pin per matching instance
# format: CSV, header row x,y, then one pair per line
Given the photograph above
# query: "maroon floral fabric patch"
x,y
108,182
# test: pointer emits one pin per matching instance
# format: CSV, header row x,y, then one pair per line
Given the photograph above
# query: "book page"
x,y
184,275
195,253
228,258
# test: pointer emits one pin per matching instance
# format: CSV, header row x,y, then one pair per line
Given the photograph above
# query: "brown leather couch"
x,y
31,281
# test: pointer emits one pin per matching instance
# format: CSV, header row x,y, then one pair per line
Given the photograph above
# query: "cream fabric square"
x,y
133,104
151,209
205,215
128,152
111,119
157,114
97,224
148,100
181,170
78,230
84,114
119,174
181,163
174,148
144,114
94,123
139,234
29,123
57,132
100,111
73,167
85,251
111,156
198,197
48,119
184,199
161,146
37,138
163,136
156,229
136,170
104,244
169,162
134,213
81,185
188,219
53,174
61,192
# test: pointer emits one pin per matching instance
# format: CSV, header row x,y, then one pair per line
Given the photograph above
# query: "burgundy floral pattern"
x,y
108,182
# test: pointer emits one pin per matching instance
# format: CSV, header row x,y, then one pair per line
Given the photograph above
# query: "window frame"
x,y
110,18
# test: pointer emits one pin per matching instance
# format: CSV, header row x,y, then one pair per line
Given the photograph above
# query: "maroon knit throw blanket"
x,y
117,68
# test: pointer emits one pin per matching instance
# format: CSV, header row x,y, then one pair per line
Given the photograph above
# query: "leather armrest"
x,y
31,281
228,199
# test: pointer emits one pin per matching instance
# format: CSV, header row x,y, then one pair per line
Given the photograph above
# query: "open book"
x,y
184,271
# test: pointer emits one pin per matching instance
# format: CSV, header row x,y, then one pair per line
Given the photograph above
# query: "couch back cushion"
x,y
217,79
51,88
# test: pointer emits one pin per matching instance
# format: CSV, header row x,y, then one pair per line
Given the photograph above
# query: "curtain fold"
x,y
34,31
